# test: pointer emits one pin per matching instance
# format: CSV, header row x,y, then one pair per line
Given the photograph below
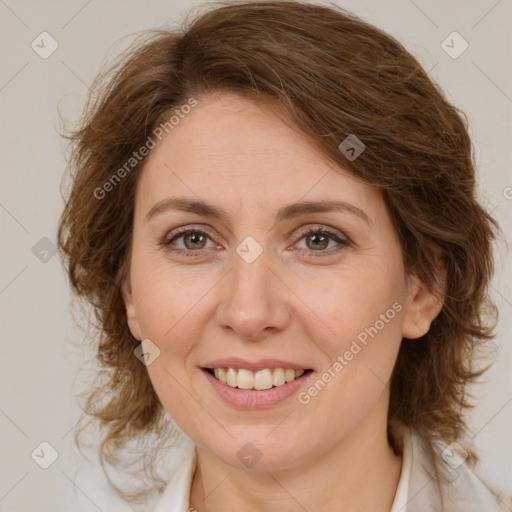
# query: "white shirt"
x,y
417,491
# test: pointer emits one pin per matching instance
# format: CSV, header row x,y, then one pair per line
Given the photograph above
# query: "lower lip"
x,y
255,399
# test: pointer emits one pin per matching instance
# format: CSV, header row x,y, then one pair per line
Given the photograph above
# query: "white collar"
x,y
417,490
402,490
176,495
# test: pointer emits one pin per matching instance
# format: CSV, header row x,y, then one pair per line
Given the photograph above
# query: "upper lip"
x,y
260,364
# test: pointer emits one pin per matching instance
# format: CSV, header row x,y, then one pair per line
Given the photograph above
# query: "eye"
x,y
193,241
318,240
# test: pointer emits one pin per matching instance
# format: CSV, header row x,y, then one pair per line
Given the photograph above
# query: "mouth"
x,y
263,379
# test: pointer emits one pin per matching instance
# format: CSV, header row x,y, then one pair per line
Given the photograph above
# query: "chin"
x,y
260,454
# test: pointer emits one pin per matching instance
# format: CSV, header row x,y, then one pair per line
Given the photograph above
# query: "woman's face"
x,y
249,289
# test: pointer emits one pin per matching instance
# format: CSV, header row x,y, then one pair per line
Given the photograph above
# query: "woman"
x,y
273,214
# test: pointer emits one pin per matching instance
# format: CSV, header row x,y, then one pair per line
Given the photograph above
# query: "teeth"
x,y
245,379
231,377
262,379
278,377
289,375
222,375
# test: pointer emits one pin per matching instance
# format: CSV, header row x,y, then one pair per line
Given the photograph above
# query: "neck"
x,y
361,472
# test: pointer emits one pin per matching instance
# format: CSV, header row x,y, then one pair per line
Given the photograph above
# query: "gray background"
x,y
41,348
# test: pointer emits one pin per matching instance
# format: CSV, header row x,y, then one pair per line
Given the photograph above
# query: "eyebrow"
x,y
287,212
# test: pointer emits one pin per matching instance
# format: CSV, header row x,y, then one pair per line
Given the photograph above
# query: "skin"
x,y
299,300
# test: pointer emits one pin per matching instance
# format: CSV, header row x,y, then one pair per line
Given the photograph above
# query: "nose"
x,y
254,301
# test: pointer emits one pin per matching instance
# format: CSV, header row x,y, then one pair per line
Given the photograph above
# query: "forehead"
x,y
234,150
231,126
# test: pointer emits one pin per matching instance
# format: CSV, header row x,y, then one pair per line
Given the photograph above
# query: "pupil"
x,y
194,237
317,236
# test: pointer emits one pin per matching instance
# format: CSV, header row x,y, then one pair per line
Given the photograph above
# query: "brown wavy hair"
x,y
332,74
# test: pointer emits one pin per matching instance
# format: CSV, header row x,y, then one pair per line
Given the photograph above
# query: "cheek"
x,y
166,296
359,335
347,304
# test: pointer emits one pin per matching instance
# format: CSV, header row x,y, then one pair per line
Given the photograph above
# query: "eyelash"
x,y
343,242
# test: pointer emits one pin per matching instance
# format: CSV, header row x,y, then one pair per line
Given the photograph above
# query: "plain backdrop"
x,y
40,348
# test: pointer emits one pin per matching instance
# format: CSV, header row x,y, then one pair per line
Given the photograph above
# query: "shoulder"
x,y
440,480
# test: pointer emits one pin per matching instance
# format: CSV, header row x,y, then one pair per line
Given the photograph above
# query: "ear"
x,y
131,314
421,307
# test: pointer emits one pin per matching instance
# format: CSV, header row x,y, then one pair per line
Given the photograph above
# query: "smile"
x,y
265,378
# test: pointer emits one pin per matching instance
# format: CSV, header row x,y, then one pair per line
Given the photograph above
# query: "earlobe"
x,y
131,315
422,306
